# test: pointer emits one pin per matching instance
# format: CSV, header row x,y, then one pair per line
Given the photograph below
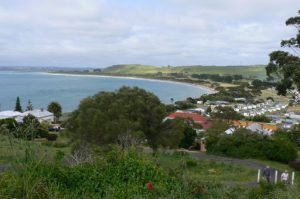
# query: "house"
x,y
240,99
196,118
221,103
230,131
11,114
293,116
41,114
260,127
197,110
199,102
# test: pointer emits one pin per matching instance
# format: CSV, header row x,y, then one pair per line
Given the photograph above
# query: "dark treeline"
x,y
219,78
228,94
263,84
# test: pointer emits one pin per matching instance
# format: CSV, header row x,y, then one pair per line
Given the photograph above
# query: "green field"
x,y
257,71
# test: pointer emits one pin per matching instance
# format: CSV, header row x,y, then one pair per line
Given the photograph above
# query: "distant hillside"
x,y
257,71
131,69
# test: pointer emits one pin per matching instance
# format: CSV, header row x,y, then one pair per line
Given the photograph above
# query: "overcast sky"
x,y
98,33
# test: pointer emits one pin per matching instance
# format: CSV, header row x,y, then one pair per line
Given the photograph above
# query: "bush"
x,y
51,137
246,144
180,154
60,144
259,118
295,165
117,175
9,123
279,150
189,138
191,163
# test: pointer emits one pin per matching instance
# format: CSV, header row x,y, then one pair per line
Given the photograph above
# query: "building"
x,y
293,116
18,116
41,114
259,127
196,118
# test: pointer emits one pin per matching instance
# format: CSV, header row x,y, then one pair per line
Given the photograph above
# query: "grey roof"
x,y
255,127
38,113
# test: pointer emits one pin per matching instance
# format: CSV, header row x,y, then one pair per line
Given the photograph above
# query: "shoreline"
x,y
206,88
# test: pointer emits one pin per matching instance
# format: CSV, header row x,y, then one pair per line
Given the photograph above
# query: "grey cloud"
x,y
100,33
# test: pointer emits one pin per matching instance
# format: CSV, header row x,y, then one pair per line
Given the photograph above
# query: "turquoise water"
x,y
42,88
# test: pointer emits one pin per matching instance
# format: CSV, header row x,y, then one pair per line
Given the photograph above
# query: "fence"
x,y
276,174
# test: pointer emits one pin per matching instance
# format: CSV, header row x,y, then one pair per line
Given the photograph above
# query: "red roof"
x,y
193,116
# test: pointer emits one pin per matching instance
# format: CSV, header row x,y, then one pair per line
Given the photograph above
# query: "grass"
x,y
123,175
271,93
12,149
257,71
205,169
295,109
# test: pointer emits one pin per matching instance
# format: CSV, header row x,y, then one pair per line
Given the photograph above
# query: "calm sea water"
x,y
43,88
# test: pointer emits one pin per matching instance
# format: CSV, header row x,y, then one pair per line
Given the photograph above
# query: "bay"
x,y
69,90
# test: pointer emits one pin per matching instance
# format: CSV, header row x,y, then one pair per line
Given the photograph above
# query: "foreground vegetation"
x,y
131,173
244,143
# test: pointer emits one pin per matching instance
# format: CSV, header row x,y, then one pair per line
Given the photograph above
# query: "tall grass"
x,y
125,174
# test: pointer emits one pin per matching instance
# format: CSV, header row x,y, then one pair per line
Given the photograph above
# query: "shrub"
x,y
246,144
117,175
51,137
180,154
9,123
191,163
295,165
60,144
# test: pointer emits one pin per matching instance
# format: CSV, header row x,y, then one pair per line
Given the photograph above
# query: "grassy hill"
x,y
257,71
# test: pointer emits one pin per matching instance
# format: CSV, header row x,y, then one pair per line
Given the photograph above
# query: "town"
x,y
150,99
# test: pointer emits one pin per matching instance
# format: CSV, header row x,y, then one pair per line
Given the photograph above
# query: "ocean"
x,y
69,90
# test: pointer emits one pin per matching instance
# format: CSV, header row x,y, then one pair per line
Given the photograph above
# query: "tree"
x,y
29,106
55,108
208,110
183,105
172,100
103,118
189,137
18,106
226,113
9,123
246,144
284,65
30,129
260,118
172,132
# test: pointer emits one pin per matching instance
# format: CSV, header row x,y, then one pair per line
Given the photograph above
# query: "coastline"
x,y
206,88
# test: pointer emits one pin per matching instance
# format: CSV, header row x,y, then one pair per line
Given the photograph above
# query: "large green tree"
x,y
285,66
111,117
225,113
18,106
55,108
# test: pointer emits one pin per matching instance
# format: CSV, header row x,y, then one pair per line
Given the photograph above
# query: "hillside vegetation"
x,y
257,71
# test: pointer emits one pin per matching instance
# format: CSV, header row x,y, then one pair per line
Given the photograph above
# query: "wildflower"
x,y
150,186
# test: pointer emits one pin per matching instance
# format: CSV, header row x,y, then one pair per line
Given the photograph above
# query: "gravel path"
x,y
243,162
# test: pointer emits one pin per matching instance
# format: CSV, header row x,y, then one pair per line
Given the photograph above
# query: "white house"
x,y
41,114
11,114
293,116
230,131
